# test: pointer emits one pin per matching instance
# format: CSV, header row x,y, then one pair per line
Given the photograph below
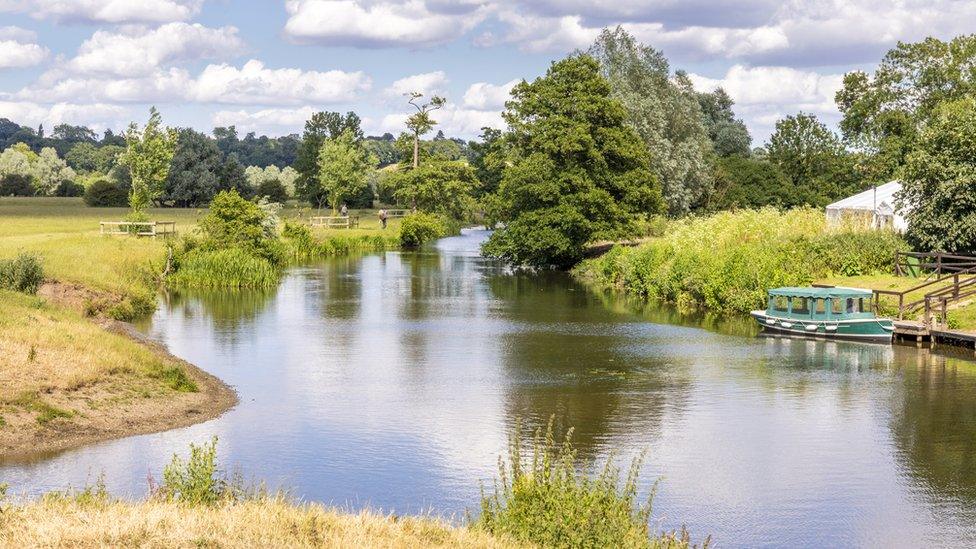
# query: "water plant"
x,y
226,268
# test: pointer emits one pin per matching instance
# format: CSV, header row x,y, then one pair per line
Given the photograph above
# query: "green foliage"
x,y
419,228
234,222
82,157
231,177
437,187
148,155
192,180
319,128
303,246
421,121
665,113
15,184
196,480
68,188
24,273
176,379
547,500
577,172
273,190
106,193
750,182
727,262
729,135
813,159
343,167
487,157
92,495
939,190
224,268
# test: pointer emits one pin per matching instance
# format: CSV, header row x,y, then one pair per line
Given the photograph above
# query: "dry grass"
x,y
260,523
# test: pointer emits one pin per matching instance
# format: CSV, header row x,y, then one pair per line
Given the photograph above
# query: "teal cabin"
x,y
825,312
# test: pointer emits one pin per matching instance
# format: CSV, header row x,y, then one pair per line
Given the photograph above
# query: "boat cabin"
x,y
821,303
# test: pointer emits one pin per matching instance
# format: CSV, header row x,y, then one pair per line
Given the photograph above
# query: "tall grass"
x,y
23,273
727,261
547,500
227,268
303,245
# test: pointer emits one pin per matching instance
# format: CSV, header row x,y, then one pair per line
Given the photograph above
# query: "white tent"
x,y
875,206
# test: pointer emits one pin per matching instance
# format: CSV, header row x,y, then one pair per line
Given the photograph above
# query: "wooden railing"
x,y
138,228
916,263
335,222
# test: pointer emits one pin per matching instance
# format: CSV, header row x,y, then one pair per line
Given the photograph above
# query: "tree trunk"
x,y
416,150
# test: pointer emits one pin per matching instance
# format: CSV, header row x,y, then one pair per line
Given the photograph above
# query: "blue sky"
x,y
265,65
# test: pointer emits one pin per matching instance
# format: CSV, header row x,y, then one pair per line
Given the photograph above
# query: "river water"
x,y
393,381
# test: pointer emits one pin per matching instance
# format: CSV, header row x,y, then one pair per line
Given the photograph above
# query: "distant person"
x,y
383,218
344,211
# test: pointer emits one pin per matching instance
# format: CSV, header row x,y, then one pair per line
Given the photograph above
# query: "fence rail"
x,y
397,213
138,228
938,263
335,222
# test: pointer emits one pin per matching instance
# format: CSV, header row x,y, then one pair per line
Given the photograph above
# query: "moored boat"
x,y
825,312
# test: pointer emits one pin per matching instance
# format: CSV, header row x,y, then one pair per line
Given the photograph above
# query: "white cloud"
x,y
17,55
483,96
382,23
763,95
428,83
139,51
105,11
17,34
96,116
265,121
453,120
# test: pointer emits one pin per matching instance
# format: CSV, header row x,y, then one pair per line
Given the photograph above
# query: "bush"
x,y
14,184
105,193
195,481
727,262
547,501
224,268
418,228
234,222
274,190
23,273
69,188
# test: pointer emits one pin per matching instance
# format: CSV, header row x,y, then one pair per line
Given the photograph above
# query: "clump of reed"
x,y
727,261
227,268
302,245
24,273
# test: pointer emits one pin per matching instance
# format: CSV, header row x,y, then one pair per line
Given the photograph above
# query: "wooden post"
x,y
938,263
897,264
901,306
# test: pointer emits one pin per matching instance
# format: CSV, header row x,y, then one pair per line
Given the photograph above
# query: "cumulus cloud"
x,y
485,96
139,51
428,83
96,116
105,11
763,95
384,23
251,84
452,119
18,48
265,121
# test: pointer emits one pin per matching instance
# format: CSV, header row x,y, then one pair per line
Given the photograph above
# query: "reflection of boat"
x,y
824,312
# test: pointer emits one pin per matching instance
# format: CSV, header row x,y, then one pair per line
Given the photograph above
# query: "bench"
x,y
138,228
335,222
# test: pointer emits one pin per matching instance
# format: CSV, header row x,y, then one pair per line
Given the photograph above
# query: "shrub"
x,y
274,190
547,501
105,193
194,481
234,222
14,184
69,188
418,228
24,273
224,268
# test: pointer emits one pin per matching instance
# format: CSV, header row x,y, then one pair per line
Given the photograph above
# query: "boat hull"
x,y
867,329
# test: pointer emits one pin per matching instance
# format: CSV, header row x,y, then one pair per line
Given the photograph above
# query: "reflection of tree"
x,y
230,312
339,286
934,424
568,355
663,313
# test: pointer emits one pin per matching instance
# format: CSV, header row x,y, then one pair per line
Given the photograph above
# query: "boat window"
x,y
821,306
851,305
865,305
780,303
836,305
801,306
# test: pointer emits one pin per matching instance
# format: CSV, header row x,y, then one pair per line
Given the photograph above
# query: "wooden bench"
x,y
397,213
138,228
335,222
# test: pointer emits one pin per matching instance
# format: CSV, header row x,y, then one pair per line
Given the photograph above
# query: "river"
x,y
394,380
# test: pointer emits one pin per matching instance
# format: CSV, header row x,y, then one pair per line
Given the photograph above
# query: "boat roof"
x,y
835,291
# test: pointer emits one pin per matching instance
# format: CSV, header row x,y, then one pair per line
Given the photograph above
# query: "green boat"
x,y
841,313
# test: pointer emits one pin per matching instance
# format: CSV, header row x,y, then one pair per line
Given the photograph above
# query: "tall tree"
x,y
813,159
343,167
665,113
576,170
421,122
939,190
729,134
192,177
884,112
487,157
319,128
148,154
444,187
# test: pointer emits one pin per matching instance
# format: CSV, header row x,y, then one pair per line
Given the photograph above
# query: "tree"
x,y
882,114
148,155
82,157
664,112
438,187
939,190
48,171
421,122
577,172
107,157
750,182
192,178
487,157
729,135
322,126
231,177
14,162
15,184
343,167
813,159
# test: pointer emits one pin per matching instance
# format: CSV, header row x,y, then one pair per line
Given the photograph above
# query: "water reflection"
x,y
393,380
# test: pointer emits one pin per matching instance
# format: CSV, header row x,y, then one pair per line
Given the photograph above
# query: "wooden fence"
x,y
335,222
138,228
938,263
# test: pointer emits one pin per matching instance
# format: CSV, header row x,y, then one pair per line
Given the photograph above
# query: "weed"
x,y
175,378
229,268
194,481
47,413
32,353
92,495
23,273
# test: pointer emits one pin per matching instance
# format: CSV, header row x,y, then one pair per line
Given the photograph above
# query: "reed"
x,y
226,268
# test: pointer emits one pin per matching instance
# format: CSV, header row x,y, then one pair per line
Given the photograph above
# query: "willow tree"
x,y
148,154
